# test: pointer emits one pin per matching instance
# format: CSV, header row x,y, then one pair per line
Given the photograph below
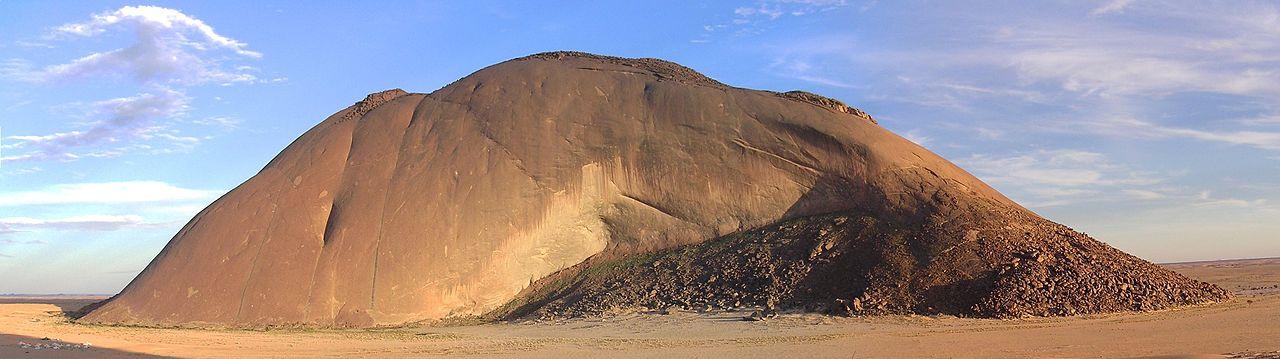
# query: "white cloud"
x,y
154,18
1080,69
127,120
78,223
1272,119
1219,49
763,9
1264,140
988,133
816,2
747,19
804,61
917,137
1111,7
1114,70
171,47
18,104
825,81
105,193
24,171
224,122
5,229
1232,202
172,50
1134,128
1206,199
34,44
1143,194
1059,168
1049,178
1057,177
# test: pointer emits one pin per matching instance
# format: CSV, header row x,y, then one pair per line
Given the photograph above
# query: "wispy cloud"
x,y
1134,128
224,122
1266,120
988,133
126,120
1111,7
825,81
6,229
809,61
1229,51
1143,194
171,47
1049,178
105,193
23,171
774,9
172,51
1206,199
1057,177
79,223
917,137
747,20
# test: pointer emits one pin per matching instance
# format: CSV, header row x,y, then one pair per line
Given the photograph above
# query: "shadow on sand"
x,y
73,307
17,346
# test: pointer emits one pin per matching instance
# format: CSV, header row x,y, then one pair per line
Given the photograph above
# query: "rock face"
x,y
569,184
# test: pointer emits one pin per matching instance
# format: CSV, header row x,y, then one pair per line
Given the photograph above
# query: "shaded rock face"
x,y
521,188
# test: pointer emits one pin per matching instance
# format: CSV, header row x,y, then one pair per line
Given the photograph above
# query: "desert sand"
x,y
1247,326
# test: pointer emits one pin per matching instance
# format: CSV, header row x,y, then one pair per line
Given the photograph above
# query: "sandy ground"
x,y
1250,324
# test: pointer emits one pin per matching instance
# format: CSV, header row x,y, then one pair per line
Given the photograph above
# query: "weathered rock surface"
x,y
569,183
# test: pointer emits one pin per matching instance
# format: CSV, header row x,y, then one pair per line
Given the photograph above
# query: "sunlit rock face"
x,y
410,207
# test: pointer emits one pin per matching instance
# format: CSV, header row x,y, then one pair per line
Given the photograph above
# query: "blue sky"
x,y
1153,126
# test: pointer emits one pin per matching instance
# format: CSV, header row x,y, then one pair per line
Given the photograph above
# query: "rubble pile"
x,y
827,102
53,344
1007,265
